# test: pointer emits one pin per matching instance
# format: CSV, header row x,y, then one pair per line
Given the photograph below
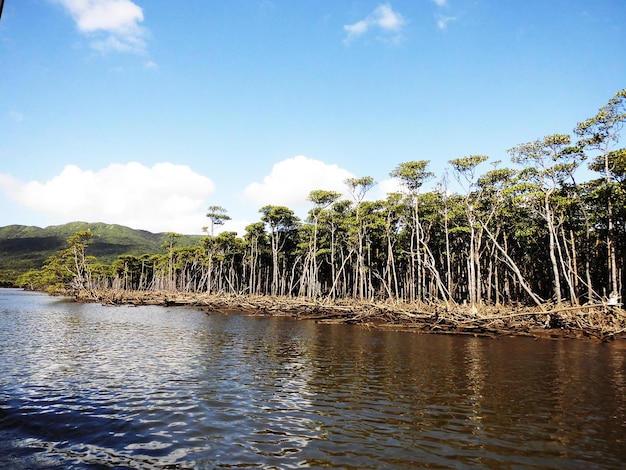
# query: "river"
x,y
86,386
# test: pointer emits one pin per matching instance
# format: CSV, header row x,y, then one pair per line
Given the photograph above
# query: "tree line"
x,y
529,233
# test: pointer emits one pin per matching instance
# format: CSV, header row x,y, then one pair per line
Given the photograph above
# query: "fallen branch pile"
x,y
593,321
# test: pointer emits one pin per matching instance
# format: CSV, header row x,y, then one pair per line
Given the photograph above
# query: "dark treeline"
x,y
526,234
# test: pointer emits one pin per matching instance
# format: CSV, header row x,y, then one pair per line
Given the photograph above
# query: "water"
x,y
84,386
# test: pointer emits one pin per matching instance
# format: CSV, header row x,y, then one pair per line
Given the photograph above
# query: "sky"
x,y
146,112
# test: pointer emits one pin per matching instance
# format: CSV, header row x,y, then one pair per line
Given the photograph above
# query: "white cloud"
x,y
357,28
385,187
383,18
165,197
113,25
386,18
8,183
291,181
442,21
235,225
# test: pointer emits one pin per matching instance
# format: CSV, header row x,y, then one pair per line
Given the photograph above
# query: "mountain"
x,y
26,247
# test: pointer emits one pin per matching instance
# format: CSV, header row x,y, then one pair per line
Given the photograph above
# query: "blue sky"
x,y
145,113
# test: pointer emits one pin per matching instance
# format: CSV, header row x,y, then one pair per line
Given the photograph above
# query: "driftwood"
x,y
593,321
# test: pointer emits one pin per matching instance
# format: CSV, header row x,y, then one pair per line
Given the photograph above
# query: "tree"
x,y
228,251
392,211
254,241
79,266
358,188
548,163
335,221
601,133
413,175
446,208
171,241
217,215
281,220
321,200
502,214
126,271
465,169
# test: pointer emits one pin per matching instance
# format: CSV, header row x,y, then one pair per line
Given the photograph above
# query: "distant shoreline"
x,y
596,322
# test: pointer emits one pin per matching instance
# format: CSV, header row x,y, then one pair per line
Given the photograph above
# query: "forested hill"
x,y
23,247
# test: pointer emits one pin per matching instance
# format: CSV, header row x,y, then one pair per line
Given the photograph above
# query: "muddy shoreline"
x,y
597,322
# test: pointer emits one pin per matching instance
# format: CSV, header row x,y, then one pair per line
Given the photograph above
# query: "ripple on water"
x,y
88,386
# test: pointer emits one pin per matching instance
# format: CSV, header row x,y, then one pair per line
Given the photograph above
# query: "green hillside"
x,y
23,247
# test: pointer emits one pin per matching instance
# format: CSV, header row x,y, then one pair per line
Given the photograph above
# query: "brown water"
x,y
84,386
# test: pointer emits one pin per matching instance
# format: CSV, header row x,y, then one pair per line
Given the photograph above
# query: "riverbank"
x,y
598,322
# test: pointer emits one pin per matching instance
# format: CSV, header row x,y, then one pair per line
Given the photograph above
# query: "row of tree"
x,y
527,234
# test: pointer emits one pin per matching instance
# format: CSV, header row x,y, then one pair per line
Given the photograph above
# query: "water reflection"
x,y
471,401
148,387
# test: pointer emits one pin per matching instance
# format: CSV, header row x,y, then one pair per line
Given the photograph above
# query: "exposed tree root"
x,y
593,321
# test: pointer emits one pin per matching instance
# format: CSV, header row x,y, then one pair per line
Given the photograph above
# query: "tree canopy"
x,y
527,233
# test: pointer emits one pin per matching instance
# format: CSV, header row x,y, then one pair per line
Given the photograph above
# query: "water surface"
x,y
85,386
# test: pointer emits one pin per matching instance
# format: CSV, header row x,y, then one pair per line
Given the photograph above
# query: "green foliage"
x,y
217,215
601,131
514,235
466,166
359,187
279,218
323,198
616,164
23,248
412,175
